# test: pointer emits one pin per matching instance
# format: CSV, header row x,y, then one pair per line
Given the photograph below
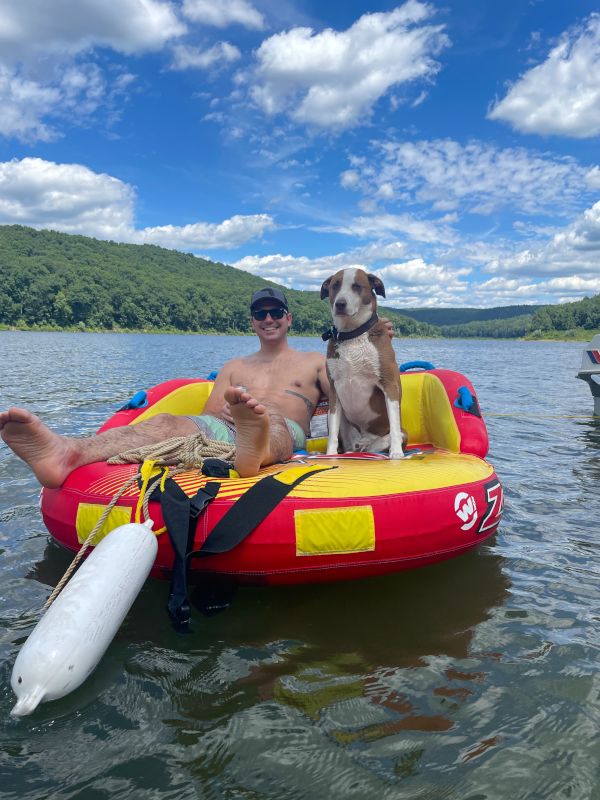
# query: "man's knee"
x,y
170,425
281,441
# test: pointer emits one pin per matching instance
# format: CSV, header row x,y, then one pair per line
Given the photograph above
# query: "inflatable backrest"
x,y
185,399
427,411
427,415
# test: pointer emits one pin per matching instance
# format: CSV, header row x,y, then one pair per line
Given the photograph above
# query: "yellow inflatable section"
x,y
426,412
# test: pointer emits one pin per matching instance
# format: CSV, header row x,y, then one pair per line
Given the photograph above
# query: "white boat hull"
x,y
590,370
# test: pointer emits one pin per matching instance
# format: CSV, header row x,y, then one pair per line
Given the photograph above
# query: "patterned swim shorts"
x,y
222,431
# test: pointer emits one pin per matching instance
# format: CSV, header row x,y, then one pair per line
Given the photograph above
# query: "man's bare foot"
x,y
50,456
251,431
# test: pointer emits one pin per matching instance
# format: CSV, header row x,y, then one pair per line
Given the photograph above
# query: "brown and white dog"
x,y
364,399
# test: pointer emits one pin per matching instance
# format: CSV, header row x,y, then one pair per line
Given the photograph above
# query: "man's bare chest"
x,y
283,378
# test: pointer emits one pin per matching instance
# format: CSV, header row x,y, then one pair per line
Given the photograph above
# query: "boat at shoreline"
x,y
590,370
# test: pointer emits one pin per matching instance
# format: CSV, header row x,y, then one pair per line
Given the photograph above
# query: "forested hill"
x,y
56,280
50,279
578,320
462,316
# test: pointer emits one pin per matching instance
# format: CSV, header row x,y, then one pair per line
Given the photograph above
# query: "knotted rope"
x,y
186,452
73,565
181,452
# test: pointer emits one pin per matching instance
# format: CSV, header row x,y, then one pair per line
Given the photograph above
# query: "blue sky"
x,y
452,148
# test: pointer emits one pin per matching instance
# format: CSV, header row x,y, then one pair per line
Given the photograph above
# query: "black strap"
x,y
180,514
250,510
343,336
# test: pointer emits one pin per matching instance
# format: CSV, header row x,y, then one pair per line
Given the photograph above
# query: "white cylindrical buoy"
x,y
74,633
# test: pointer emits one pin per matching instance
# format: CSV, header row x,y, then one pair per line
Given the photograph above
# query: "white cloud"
x,y
186,57
298,271
349,179
42,76
31,109
417,283
333,79
379,251
385,191
592,178
502,291
24,104
83,88
31,27
566,268
221,13
231,233
66,197
309,273
386,224
571,252
416,271
74,199
561,96
480,176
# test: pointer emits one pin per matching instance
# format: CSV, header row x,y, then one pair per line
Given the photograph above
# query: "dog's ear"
x,y
325,288
376,285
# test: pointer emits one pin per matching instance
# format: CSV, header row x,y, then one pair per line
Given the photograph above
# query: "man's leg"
x,y
261,435
53,457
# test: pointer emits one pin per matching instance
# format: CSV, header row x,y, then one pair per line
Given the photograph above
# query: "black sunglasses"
x,y
261,314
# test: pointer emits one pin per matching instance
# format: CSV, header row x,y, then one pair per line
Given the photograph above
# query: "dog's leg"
x,y
393,395
334,418
393,410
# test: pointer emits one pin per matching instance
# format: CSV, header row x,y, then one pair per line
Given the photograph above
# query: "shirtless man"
x,y
263,401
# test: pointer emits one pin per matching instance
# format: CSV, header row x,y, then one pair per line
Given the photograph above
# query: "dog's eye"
x,y
355,287
336,285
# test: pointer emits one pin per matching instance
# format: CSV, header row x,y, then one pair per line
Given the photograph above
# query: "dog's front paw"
x,y
396,455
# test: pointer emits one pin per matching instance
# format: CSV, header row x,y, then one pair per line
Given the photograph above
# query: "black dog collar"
x,y
341,336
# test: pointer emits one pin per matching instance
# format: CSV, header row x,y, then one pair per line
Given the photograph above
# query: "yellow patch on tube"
x,y
330,531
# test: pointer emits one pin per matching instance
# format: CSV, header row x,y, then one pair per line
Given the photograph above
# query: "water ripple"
x,y
472,679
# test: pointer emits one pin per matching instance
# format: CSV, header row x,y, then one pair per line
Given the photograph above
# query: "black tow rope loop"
x,y
180,514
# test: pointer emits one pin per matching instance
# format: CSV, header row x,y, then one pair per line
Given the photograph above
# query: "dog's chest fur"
x,y
355,369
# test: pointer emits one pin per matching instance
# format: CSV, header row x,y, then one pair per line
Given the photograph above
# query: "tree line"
x,y
57,280
54,280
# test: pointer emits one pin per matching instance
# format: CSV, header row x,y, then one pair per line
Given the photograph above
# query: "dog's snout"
x,y
340,304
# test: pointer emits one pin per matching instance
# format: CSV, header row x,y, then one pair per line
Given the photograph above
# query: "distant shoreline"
x,y
580,336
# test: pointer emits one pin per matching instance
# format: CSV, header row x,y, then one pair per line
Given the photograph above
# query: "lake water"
x,y
475,679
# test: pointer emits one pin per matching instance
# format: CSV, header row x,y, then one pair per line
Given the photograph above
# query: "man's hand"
x,y
389,326
226,413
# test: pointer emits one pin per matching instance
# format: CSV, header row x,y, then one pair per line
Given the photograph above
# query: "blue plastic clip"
x,y
139,400
464,400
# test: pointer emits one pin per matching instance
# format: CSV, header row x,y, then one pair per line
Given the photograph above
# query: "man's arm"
x,y
216,401
322,379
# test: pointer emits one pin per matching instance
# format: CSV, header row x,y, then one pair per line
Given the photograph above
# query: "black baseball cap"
x,y
274,295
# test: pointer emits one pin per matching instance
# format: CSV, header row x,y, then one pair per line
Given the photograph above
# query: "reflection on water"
x,y
401,617
475,678
587,465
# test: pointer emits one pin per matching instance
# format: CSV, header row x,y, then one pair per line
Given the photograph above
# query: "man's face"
x,y
273,321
